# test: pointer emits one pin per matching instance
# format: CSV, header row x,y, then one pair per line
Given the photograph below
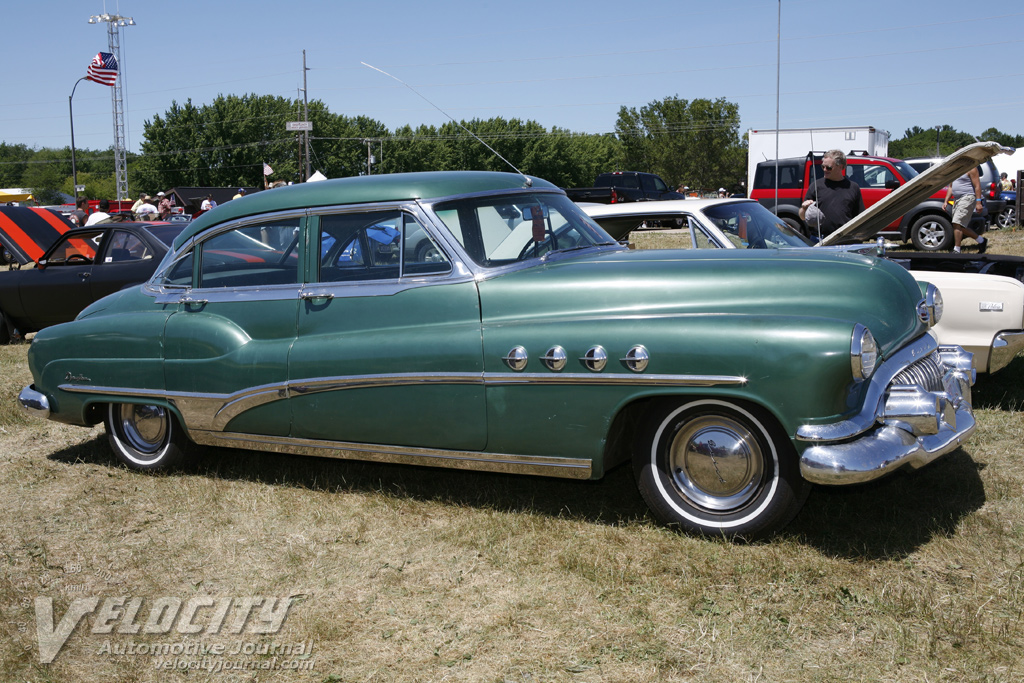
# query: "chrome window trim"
x,y
214,411
459,272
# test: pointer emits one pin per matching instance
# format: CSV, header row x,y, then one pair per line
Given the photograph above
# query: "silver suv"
x,y
990,186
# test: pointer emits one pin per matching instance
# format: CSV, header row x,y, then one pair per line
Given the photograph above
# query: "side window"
x,y
124,246
873,176
263,254
379,245
79,249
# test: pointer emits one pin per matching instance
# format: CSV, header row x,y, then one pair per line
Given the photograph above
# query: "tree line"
x,y
227,142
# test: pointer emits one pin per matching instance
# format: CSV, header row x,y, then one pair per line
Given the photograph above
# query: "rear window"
x,y
791,176
612,180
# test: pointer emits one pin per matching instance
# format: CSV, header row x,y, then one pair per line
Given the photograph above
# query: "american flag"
x,y
103,69
266,169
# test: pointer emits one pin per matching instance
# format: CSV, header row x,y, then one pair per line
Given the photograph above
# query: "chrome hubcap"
x,y
716,462
144,427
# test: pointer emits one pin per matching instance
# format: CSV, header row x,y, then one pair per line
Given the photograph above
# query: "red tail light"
x,y
993,191
615,197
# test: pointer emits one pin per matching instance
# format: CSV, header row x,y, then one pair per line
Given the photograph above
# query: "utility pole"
x,y
305,112
114,23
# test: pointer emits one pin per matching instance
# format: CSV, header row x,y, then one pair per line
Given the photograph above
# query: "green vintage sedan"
x,y
482,321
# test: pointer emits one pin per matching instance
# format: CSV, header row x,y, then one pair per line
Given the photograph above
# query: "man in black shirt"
x,y
836,197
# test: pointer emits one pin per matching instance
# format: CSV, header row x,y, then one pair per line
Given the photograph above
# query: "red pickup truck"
x,y
928,225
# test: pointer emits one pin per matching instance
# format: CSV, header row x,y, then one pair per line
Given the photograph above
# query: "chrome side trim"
x,y
215,411
567,468
1005,348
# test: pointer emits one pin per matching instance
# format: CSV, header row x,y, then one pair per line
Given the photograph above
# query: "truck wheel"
x,y
1007,218
717,468
795,225
932,233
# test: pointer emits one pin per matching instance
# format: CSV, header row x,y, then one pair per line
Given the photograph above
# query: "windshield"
x,y
748,225
905,169
496,231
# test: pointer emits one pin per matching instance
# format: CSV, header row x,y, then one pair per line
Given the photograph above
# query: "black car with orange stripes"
x,y
77,267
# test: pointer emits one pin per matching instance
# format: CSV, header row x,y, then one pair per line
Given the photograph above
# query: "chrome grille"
x,y
925,373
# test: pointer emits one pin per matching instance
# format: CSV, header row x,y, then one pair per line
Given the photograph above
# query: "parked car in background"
x,y
991,188
619,187
26,232
926,224
311,320
81,266
983,294
1007,218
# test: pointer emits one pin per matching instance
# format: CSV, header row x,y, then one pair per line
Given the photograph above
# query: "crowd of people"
x,y
158,207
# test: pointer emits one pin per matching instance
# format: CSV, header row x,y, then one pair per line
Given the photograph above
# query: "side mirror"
x,y
892,185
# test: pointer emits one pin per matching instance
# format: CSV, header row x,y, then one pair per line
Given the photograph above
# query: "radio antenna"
x,y
529,181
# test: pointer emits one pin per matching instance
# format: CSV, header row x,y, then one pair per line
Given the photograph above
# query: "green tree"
x,y
694,142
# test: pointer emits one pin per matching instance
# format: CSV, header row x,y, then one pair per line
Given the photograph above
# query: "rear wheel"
x,y
145,437
718,468
932,233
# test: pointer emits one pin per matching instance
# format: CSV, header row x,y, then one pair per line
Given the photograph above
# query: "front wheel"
x,y
145,437
717,468
932,233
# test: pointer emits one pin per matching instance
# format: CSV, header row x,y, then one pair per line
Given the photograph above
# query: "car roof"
x,y
361,189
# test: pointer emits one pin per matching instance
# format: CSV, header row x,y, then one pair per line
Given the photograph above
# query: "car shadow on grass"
x,y
892,517
886,519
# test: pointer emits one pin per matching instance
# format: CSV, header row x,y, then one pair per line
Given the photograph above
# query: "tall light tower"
x,y
114,23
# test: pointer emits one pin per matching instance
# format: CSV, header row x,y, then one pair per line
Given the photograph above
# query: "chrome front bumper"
x,y
34,403
917,408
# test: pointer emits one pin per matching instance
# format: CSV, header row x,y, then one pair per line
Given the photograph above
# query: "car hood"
x,y
869,223
26,232
824,284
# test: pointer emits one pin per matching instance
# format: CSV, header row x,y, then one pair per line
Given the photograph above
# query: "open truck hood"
x,y
26,232
869,223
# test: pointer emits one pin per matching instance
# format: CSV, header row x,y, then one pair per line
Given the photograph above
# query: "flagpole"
x,y
71,116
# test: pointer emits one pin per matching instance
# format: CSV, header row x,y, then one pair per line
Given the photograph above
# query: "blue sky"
x,y
568,64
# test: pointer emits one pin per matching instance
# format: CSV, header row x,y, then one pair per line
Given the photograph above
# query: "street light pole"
x,y
71,116
114,23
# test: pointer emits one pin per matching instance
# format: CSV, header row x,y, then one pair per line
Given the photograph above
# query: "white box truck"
x,y
797,142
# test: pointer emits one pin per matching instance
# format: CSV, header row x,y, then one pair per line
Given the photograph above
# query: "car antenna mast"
x,y
529,181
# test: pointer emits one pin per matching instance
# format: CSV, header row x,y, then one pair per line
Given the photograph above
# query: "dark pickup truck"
x,y
624,186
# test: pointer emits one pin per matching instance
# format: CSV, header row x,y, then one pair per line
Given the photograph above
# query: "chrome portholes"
x,y
595,359
517,358
555,359
637,358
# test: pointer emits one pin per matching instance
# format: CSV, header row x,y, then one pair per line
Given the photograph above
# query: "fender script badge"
x,y
75,378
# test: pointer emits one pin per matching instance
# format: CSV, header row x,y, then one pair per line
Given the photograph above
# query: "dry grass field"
x,y
409,574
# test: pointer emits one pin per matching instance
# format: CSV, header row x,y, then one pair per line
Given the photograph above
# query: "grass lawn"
x,y
412,574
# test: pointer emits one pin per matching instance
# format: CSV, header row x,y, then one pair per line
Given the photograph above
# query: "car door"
x,y
388,349
226,345
59,287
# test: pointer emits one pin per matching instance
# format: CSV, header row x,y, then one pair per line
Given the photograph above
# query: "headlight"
x,y
929,309
863,352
